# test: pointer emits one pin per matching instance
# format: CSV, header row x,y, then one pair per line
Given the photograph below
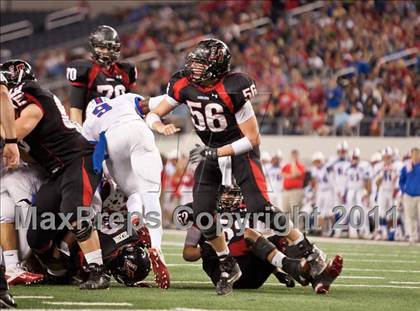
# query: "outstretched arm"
x,y
153,119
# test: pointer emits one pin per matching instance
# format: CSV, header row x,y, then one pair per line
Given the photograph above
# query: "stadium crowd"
x,y
294,60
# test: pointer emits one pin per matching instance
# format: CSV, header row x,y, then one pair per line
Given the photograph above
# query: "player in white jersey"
x,y
17,188
339,165
323,184
276,179
134,162
386,180
358,190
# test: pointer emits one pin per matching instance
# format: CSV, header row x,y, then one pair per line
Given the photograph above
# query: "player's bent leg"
x,y
322,273
77,188
206,188
267,251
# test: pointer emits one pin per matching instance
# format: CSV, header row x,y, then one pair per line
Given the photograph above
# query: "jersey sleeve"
x,y
129,72
240,88
174,89
3,80
77,73
32,92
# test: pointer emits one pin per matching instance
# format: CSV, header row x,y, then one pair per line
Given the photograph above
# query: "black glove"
x,y
199,153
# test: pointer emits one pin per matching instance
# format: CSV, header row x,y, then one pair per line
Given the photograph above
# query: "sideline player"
x,y
221,111
102,75
134,163
322,177
66,155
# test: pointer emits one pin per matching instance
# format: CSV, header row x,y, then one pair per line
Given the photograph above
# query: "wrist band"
x,y
152,118
10,141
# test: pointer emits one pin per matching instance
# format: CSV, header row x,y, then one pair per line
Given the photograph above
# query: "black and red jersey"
x,y
213,108
88,80
55,141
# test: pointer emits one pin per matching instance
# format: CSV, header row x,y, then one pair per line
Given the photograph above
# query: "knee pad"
x,y
277,220
83,229
261,248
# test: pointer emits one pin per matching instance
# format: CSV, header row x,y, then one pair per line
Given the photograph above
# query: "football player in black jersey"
x,y
56,145
11,159
103,75
221,111
258,257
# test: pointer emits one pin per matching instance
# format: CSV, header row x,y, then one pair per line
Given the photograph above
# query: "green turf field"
x,y
376,276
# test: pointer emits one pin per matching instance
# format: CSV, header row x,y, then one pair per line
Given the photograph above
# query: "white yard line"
x,y
381,270
381,260
405,282
33,297
361,277
80,303
334,285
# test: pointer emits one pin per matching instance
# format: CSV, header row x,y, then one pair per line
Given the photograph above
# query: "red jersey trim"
x,y
178,86
35,101
220,89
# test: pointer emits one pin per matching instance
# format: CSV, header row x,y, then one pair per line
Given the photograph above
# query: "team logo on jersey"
x,y
121,237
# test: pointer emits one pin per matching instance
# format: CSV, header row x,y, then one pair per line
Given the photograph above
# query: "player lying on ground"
x,y
221,111
258,257
134,163
66,155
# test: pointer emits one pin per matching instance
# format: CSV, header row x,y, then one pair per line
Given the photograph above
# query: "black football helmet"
x,y
131,266
105,37
16,71
231,199
209,60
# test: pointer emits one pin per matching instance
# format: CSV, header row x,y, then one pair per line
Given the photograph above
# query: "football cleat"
x,y
230,273
18,275
322,282
162,276
144,237
98,278
7,301
298,269
285,279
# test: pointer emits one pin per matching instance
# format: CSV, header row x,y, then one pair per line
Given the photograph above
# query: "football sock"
x,y
299,239
277,260
134,203
94,257
11,258
223,254
153,212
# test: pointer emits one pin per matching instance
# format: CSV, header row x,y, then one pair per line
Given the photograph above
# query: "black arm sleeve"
x,y
78,97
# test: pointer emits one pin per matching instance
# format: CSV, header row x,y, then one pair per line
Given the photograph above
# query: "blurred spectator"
x,y
410,187
293,181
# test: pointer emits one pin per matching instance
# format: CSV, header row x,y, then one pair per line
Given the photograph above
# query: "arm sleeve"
x,y
77,73
174,88
132,74
77,97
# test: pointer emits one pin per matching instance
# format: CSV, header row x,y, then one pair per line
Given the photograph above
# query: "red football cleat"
x,y
323,281
18,275
144,237
162,277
